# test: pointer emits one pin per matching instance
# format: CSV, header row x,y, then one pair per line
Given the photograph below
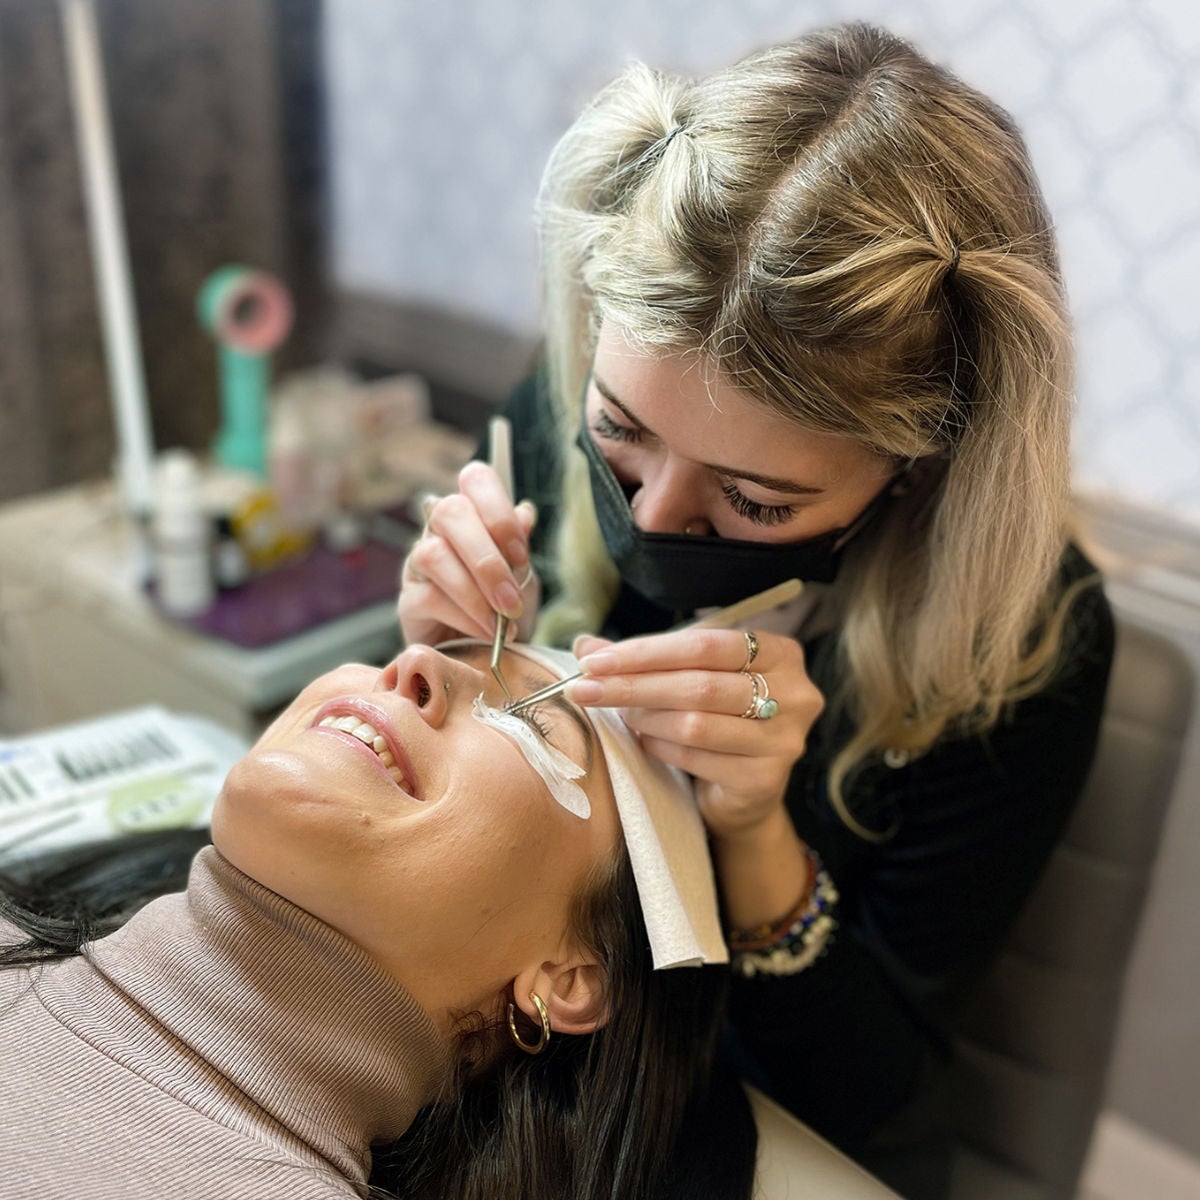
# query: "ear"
x,y
572,990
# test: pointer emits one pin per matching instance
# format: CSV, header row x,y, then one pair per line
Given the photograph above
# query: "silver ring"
x,y
752,707
762,707
751,649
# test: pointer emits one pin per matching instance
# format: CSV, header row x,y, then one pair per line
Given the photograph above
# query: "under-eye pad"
x,y
555,768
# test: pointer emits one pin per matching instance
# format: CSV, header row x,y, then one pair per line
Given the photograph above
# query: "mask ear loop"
x,y
885,493
901,483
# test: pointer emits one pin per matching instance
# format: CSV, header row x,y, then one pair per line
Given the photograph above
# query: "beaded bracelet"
x,y
767,934
796,945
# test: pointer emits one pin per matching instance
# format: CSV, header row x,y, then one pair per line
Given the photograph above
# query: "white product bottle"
x,y
290,467
181,536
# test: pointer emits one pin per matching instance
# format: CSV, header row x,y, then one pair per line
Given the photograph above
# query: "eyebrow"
x,y
768,481
561,702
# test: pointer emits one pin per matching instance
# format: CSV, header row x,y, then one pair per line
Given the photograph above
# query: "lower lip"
x,y
367,752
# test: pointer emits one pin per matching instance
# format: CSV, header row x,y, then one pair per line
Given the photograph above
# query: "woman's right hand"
x,y
471,561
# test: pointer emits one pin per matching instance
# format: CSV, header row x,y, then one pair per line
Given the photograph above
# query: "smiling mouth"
x,y
373,740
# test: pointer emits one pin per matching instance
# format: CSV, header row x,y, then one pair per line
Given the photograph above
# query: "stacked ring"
x,y
761,707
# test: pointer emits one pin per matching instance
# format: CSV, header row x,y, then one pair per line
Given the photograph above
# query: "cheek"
x,y
506,845
514,865
280,819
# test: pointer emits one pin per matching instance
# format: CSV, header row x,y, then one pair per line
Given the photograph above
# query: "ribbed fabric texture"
x,y
223,1044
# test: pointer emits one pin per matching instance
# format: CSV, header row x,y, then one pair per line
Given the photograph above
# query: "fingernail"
x,y
517,553
584,691
508,600
598,663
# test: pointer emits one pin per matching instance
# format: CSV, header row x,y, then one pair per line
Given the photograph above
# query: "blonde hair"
x,y
854,237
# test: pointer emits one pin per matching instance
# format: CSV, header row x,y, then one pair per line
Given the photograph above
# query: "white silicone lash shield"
x,y
555,768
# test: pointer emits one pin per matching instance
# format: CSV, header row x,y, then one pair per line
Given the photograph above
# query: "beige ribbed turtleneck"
x,y
224,1043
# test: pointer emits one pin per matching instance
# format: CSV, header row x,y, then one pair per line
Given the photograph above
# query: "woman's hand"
x,y
471,561
686,694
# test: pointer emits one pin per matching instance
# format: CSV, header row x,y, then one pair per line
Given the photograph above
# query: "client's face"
x,y
453,865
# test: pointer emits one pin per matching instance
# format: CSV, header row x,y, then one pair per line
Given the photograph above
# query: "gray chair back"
x,y
1037,1039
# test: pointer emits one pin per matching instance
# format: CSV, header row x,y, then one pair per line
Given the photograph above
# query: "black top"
x,y
854,1044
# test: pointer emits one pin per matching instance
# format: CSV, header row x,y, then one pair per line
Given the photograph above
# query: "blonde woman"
x,y
805,318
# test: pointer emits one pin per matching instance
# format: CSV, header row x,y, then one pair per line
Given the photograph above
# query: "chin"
x,y
255,807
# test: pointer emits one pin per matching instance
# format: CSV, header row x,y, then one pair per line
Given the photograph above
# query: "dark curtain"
x,y
217,118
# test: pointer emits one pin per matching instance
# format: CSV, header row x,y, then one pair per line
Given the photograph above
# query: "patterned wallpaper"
x,y
442,116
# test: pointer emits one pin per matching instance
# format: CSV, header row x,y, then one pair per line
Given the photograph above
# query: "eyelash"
x,y
533,718
606,427
760,514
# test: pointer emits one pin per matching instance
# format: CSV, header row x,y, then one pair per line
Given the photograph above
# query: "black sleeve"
x,y
842,1044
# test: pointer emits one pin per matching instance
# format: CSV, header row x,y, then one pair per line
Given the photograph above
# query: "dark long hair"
x,y
639,1109
65,898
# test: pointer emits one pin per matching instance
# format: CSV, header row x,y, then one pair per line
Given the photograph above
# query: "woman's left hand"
x,y
687,695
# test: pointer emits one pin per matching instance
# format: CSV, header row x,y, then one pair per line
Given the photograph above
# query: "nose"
x,y
431,681
670,499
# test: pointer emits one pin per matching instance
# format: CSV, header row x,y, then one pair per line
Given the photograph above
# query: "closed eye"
x,y
604,426
532,716
752,510
535,715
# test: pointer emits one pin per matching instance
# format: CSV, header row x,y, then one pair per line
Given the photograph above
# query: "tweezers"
x,y
500,460
753,606
547,693
497,651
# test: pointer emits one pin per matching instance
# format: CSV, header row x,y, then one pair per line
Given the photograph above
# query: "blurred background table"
x,y
79,636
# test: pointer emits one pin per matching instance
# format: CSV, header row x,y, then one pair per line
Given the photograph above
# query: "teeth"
x,y
367,734
370,736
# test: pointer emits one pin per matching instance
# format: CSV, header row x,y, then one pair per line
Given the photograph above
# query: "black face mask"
x,y
684,572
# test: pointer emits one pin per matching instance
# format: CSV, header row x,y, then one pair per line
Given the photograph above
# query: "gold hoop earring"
x,y
540,1044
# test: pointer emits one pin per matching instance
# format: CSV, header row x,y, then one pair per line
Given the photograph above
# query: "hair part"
x,y
852,236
